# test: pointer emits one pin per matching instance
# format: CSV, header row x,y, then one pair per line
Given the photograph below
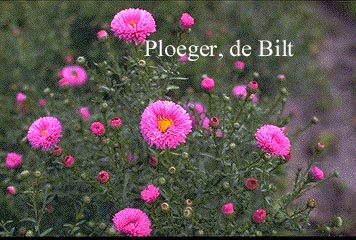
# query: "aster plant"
x,y
147,161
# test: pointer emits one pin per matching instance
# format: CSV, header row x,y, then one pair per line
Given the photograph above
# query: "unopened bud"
x,y
24,174
185,155
232,145
142,63
236,125
226,98
314,120
102,226
165,207
311,203
226,185
37,174
187,213
336,222
172,170
47,90
284,91
189,202
214,122
81,60
29,233
111,231
162,180
86,199
200,233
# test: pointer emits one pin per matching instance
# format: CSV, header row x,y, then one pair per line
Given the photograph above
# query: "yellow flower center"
x,y
74,73
132,22
164,124
43,132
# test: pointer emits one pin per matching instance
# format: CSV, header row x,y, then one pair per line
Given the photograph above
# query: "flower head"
x,y
68,58
228,209
101,34
85,113
240,91
317,173
132,222
133,24
150,193
281,76
240,65
73,76
11,190
20,97
186,21
115,122
165,124
42,102
208,84
97,128
68,161
103,176
251,183
44,133
272,140
13,160
259,215
184,58
57,150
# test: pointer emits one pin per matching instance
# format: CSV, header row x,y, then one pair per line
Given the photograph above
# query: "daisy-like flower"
x,y
20,97
44,133
259,215
97,128
240,65
132,222
251,183
115,122
165,124
85,113
186,21
133,25
240,91
228,209
13,160
150,193
317,173
271,139
73,76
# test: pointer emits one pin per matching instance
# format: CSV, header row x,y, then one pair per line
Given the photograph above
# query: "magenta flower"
x,y
13,160
165,124
85,113
228,209
208,84
317,173
259,215
42,102
11,190
251,183
44,133
219,133
68,59
186,21
240,91
281,76
133,24
115,122
73,76
132,222
68,161
20,97
150,193
271,139
101,34
240,65
97,128
184,58
103,176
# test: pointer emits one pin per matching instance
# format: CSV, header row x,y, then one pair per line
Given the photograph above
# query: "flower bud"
x,y
256,74
111,231
162,180
226,98
29,233
200,233
311,203
37,174
226,185
214,122
142,63
258,233
284,91
153,161
187,213
325,229
24,174
81,60
314,120
189,202
47,90
57,150
185,155
336,222
102,226
236,125
22,230
252,87
232,145
108,73
48,187
86,199
172,170
165,207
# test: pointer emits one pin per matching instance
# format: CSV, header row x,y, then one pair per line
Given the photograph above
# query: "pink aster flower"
x,y
13,160
42,102
240,91
165,124
44,133
281,76
228,209
208,84
20,97
85,113
68,59
68,161
73,76
240,65
133,24
150,193
103,176
11,190
97,128
271,139
317,173
184,58
251,183
132,222
219,133
115,122
186,21
259,215
101,34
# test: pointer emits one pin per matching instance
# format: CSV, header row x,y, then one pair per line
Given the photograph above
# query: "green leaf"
x,y
172,87
28,219
46,232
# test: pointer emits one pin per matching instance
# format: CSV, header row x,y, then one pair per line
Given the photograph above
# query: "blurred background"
x,y
36,37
